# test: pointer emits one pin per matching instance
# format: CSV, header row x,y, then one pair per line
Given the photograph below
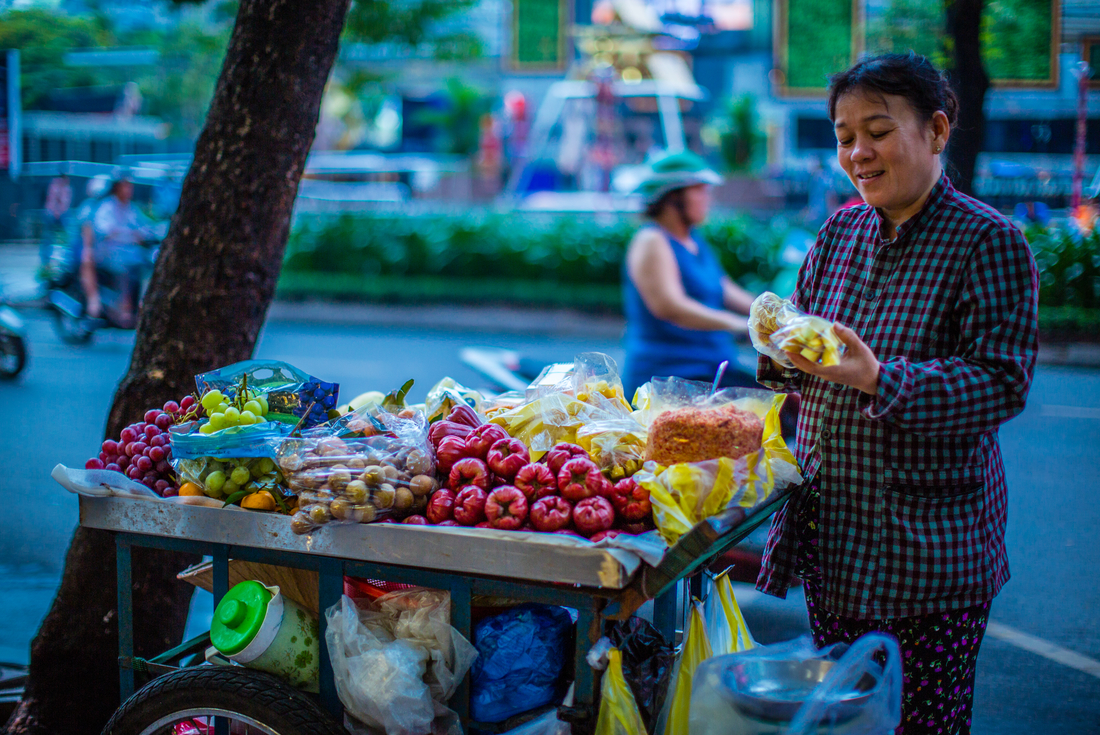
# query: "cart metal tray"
x,y
528,556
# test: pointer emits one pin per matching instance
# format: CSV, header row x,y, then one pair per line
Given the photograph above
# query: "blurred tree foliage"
x,y
739,133
1015,36
43,37
179,88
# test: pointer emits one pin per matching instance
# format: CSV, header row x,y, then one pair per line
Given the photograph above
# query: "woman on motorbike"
x,y
119,229
682,310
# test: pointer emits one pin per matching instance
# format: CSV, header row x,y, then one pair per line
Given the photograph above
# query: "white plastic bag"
x,y
379,681
396,665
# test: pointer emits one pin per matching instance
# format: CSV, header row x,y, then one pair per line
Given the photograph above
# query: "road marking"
x,y
1046,649
1070,412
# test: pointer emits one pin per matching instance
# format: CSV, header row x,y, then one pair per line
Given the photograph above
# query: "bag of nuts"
x,y
360,468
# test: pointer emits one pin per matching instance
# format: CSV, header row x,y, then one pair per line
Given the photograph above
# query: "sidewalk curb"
x,y
450,317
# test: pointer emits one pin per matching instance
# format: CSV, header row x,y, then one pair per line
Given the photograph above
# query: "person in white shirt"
x,y
119,229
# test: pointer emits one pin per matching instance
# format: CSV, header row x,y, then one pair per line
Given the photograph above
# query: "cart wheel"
x,y
252,702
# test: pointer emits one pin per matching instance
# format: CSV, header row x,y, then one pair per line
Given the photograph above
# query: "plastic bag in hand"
x,y
380,680
777,326
726,628
696,650
618,712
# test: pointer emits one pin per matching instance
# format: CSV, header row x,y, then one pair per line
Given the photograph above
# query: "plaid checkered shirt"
x,y
913,496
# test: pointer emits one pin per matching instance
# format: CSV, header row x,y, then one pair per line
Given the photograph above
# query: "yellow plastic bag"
x,y
696,650
726,628
619,713
685,494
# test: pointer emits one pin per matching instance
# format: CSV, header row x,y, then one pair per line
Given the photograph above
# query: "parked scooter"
x,y
13,342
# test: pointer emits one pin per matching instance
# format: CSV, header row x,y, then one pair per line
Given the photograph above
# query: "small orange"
x,y
262,500
190,489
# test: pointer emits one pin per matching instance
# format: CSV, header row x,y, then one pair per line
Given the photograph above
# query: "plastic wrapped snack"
x,y
685,493
363,467
777,326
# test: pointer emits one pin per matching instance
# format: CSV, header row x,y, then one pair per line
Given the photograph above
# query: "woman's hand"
x,y
858,365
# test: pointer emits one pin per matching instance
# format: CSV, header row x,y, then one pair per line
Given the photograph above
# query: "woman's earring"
x,y
937,149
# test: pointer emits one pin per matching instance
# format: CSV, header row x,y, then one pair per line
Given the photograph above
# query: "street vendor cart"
x,y
182,699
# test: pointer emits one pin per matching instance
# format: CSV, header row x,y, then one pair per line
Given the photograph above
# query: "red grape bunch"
x,y
143,452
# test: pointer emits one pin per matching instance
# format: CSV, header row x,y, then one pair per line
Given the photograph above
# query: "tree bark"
x,y
964,26
204,308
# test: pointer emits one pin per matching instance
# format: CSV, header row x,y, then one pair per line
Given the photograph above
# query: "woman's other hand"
x,y
858,366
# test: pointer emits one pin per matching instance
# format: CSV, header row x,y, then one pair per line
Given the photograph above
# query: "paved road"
x,y
1029,680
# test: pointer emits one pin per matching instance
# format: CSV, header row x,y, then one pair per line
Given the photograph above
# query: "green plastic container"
x,y
257,627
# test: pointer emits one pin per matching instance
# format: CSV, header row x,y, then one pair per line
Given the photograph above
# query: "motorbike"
x,y
66,298
13,342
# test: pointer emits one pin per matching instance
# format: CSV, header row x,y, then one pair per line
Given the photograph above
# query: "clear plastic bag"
x,y
618,711
590,392
686,493
615,445
398,662
445,395
379,679
777,326
362,467
234,479
840,689
293,396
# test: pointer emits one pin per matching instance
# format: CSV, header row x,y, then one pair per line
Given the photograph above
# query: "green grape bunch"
x,y
247,406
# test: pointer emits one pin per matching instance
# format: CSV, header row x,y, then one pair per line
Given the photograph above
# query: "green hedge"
x,y
487,256
1069,267
480,256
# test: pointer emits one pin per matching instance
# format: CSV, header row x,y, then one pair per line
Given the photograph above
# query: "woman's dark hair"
x,y
675,198
910,75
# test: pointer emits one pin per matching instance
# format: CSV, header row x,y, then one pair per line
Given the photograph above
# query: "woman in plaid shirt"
x,y
900,527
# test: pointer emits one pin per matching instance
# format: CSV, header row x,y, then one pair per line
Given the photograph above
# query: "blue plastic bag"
x,y
522,656
291,393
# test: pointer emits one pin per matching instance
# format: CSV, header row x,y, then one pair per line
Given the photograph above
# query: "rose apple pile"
x,y
489,481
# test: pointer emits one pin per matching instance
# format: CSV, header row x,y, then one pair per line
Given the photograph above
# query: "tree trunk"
x,y
204,308
964,25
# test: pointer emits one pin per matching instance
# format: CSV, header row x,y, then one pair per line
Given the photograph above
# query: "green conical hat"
x,y
671,171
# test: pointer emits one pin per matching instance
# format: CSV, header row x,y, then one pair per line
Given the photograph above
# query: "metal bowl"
x,y
774,690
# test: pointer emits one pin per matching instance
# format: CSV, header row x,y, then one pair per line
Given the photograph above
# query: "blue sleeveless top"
x,y
657,348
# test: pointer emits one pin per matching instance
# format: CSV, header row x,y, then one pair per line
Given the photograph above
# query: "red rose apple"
x,y
609,533
579,479
631,500
507,456
482,438
535,481
561,453
592,515
551,513
441,506
468,471
470,505
506,508
450,450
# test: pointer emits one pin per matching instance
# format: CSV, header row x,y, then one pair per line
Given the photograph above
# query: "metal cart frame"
x,y
530,568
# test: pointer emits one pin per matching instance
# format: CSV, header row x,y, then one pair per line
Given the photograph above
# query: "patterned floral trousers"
x,y
939,651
